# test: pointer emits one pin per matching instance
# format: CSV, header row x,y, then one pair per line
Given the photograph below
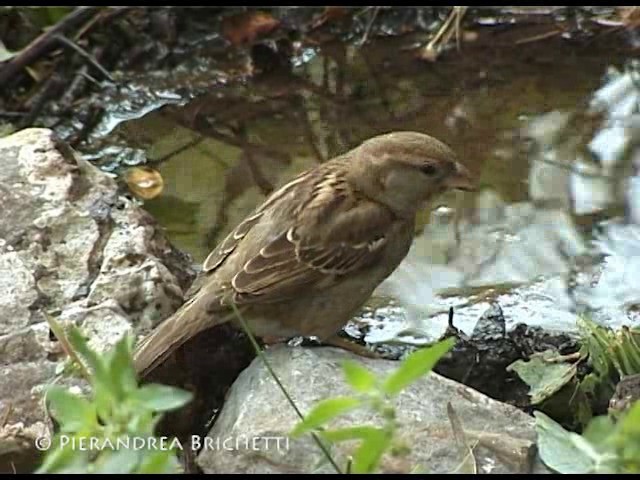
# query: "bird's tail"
x,y
173,332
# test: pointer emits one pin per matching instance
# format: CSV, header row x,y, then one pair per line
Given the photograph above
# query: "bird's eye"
x,y
429,170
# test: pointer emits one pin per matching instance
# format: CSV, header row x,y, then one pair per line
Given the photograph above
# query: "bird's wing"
x,y
336,234
229,244
330,233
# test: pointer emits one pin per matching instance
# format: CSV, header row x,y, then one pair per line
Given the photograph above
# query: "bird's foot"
x,y
273,340
361,350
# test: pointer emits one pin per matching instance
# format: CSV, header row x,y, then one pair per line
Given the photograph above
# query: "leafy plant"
x,y
554,380
613,354
377,395
607,446
111,430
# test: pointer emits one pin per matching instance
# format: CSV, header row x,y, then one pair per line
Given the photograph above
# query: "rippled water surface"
x,y
548,127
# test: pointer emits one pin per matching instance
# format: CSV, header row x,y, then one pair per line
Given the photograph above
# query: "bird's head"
x,y
403,170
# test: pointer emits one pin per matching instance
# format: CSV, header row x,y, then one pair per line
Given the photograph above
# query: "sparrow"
x,y
307,259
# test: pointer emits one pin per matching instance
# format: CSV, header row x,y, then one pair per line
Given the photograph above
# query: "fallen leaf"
x,y
145,182
244,28
563,451
543,377
329,14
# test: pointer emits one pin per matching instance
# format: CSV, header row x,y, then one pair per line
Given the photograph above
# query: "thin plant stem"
x,y
60,334
263,358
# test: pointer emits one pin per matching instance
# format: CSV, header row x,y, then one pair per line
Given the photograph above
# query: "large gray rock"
x,y
71,247
502,437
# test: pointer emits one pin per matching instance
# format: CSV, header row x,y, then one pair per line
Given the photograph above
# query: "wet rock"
x,y
626,394
491,326
70,247
504,435
481,360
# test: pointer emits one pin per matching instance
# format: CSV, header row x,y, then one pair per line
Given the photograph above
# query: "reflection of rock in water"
x,y
614,293
579,172
500,245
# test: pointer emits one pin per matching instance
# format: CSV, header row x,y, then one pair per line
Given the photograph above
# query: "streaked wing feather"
x,y
293,263
228,245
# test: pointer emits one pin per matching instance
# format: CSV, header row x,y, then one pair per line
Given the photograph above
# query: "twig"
x,y
443,35
264,360
37,102
86,56
78,83
91,120
308,130
43,43
180,149
11,114
374,77
365,37
461,13
259,179
103,16
231,140
541,36
461,440
5,418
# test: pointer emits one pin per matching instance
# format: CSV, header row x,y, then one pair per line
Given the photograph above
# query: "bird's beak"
x,y
461,179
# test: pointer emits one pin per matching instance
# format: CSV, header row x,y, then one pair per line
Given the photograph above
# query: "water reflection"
x,y
553,160
562,267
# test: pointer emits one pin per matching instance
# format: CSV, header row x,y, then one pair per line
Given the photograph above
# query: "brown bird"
x,y
307,259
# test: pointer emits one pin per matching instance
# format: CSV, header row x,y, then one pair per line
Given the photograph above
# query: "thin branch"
x,y
102,17
367,31
86,56
5,417
180,149
43,43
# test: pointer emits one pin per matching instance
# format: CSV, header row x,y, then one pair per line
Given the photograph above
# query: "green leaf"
x,y
96,363
599,431
120,367
160,461
630,351
627,441
161,398
325,411
415,366
57,459
368,455
563,451
120,461
348,433
358,377
104,401
543,377
73,412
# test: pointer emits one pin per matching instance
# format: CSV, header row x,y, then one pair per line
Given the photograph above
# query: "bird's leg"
x,y
334,341
361,350
272,339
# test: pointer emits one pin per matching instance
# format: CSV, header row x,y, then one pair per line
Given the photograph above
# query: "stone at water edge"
x,y
68,243
256,408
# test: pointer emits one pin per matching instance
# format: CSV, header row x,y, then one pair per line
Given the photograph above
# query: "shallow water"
x,y
515,114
